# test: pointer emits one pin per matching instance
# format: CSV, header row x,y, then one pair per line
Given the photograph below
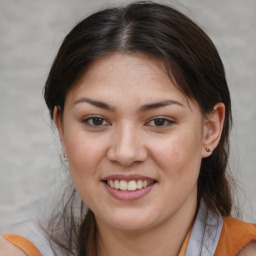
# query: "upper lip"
x,y
127,177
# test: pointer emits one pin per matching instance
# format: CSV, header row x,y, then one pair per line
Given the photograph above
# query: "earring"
x,y
65,156
208,149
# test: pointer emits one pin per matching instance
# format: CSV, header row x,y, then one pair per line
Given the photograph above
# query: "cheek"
x,y
84,154
83,160
178,155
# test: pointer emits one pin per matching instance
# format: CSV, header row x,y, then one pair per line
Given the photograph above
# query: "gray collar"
x,y
205,233
202,242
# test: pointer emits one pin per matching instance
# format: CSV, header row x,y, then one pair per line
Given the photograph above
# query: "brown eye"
x,y
95,121
160,122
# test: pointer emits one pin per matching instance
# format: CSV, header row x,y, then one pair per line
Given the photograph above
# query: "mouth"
x,y
129,186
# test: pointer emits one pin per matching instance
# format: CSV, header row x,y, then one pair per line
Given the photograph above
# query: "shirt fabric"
x,y
211,235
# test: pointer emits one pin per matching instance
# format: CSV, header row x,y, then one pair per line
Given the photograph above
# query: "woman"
x,y
140,100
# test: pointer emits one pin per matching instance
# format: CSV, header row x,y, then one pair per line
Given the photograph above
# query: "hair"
x,y
190,58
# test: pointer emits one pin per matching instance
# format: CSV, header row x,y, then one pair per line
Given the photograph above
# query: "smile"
x,y
131,185
128,187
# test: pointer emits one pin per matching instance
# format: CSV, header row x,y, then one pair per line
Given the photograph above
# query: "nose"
x,y
127,147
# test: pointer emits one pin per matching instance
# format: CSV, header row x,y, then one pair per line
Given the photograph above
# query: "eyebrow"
x,y
96,103
143,108
159,104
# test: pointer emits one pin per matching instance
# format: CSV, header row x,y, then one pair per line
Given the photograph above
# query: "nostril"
x,y
127,155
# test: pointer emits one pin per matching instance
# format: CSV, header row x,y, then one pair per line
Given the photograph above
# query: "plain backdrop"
x,y
31,174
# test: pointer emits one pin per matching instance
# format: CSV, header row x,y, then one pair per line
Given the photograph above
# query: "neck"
x,y
164,239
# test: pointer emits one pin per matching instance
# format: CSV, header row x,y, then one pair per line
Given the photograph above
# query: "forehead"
x,y
128,67
134,75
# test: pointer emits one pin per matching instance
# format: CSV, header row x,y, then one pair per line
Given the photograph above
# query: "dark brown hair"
x,y
190,58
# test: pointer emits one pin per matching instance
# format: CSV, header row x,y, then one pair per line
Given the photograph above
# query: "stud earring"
x,y
65,157
208,149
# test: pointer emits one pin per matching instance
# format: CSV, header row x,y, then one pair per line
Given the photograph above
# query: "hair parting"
x,y
191,60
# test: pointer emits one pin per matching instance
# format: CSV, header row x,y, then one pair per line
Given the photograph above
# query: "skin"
x,y
131,139
127,140
6,248
249,250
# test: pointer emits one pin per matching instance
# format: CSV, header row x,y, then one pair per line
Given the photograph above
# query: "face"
x,y
133,142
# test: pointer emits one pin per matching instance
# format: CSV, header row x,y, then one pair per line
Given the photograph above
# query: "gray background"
x,y
31,31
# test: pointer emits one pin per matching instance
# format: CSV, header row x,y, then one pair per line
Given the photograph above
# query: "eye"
x,y
160,122
95,121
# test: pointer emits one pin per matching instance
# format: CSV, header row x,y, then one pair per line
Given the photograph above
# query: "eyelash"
x,y
89,121
162,122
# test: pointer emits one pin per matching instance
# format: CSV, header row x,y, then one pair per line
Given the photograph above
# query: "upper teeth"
x,y
129,185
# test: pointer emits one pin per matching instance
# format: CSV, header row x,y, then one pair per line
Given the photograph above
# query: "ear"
x,y
213,125
59,124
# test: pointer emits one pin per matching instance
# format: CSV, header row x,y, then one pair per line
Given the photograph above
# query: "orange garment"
x,y
185,244
235,235
31,250
24,244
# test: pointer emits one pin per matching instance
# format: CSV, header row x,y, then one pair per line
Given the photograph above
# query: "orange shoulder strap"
x,y
185,243
24,244
235,235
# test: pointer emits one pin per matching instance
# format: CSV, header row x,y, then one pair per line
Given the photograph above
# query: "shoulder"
x,y
248,250
239,229
8,249
236,238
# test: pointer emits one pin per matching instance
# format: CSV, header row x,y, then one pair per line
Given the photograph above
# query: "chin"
x,y
131,226
128,222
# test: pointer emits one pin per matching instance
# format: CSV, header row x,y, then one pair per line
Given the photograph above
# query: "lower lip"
x,y
128,195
